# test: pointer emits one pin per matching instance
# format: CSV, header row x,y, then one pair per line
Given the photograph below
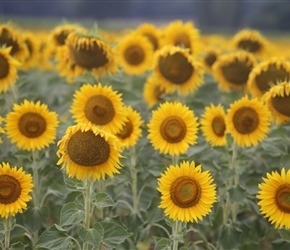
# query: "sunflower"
x,y
99,105
213,125
134,54
31,125
184,35
173,127
8,69
210,56
15,186
175,68
248,121
232,70
2,131
267,74
274,196
187,192
87,151
131,131
153,91
277,100
84,53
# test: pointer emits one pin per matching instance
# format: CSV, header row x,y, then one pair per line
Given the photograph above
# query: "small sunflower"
x,y
31,125
153,91
248,121
213,125
99,105
187,192
134,54
89,152
173,127
267,74
131,130
209,57
232,70
274,196
277,100
8,69
175,68
15,186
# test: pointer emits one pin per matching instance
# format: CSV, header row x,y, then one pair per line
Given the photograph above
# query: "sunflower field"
x,y
152,137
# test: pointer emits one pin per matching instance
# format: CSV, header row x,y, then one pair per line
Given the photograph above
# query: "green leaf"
x,y
54,238
92,236
71,214
237,194
162,243
114,234
35,217
285,234
228,237
17,246
103,200
218,218
73,184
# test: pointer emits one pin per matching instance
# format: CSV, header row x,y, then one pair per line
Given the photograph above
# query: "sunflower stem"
x,y
134,185
175,231
88,193
7,229
174,160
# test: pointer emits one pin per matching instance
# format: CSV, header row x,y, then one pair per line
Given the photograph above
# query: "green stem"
x,y
175,230
134,185
175,159
7,229
88,192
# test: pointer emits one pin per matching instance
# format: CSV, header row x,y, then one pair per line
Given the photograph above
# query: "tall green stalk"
x,y
7,229
87,196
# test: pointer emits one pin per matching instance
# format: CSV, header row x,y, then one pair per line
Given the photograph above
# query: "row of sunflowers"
x,y
144,138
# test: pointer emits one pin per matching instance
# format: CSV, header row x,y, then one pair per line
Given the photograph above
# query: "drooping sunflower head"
x,y
267,74
100,105
153,91
31,125
134,54
8,69
248,121
183,35
15,186
173,127
86,151
131,130
213,125
175,68
187,192
232,70
274,199
210,56
277,100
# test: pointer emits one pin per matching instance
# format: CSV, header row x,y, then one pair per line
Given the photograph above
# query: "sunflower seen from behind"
x,y
100,105
248,121
274,200
213,125
187,192
173,128
86,151
15,186
32,126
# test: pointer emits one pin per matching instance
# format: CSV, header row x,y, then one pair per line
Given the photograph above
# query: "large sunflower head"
x,y
86,151
15,186
8,69
213,125
31,125
134,54
277,100
175,68
268,73
131,130
173,127
99,105
274,199
184,35
232,70
153,91
187,192
248,121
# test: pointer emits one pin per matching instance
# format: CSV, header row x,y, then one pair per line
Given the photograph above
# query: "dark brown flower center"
x,y
185,192
282,198
158,91
173,129
32,125
282,104
218,126
271,76
87,149
4,67
126,130
152,40
62,36
210,59
249,45
182,40
246,120
10,189
134,55
99,110
237,72
176,68
6,38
